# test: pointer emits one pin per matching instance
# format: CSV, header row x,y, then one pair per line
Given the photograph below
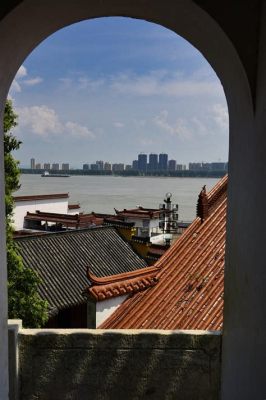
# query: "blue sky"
x,y
110,88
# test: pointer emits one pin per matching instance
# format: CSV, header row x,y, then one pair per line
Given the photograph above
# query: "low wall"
x,y
101,365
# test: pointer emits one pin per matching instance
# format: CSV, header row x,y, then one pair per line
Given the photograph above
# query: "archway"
x,y
35,22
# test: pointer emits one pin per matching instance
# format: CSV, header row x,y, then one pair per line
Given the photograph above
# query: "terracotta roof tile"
x,y
189,292
121,284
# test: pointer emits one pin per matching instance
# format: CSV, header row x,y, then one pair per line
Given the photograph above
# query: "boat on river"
x,y
47,174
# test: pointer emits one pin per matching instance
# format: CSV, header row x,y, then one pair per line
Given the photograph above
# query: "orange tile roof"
x,y
121,284
190,281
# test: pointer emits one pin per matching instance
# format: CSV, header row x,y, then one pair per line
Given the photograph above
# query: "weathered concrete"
x,y
101,365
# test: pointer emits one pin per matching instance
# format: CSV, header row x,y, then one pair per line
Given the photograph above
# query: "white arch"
x,y
33,21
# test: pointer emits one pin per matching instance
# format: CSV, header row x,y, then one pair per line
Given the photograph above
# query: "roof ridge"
x,y
68,232
139,310
110,279
201,228
163,283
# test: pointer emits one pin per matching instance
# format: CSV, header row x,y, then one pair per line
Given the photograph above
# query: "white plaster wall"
x,y
105,308
52,205
74,212
154,226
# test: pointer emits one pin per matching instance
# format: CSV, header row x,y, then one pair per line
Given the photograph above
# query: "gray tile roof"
x,y
61,260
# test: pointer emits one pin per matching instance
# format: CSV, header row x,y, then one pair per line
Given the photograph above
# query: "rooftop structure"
x,y
61,260
56,221
56,202
188,293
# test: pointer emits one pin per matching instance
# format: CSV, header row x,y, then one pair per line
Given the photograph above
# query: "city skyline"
x,y
116,87
151,162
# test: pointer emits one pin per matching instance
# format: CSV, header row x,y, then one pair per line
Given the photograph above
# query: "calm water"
x,y
104,193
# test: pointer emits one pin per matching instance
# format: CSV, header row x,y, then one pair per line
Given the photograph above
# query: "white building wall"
x,y
153,224
51,205
105,308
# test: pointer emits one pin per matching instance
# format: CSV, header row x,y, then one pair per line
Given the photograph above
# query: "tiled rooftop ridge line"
x,y
129,286
195,239
207,201
97,281
116,285
151,309
180,242
165,288
215,221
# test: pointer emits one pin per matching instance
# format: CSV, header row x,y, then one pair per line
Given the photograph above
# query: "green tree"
x,y
24,301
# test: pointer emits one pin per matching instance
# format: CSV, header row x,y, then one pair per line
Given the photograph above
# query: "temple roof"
x,y
61,260
188,292
121,284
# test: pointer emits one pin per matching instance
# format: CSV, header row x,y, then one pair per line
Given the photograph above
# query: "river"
x,y
104,193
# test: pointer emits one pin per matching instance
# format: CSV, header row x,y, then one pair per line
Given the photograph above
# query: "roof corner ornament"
x,y
203,205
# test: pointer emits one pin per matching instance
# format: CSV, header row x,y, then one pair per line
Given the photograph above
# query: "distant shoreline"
x,y
166,174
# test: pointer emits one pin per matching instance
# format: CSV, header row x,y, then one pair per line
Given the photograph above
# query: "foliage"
x,y
24,301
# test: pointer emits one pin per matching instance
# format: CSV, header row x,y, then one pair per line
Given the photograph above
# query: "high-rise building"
x,y
38,166
163,162
100,165
181,167
32,163
153,162
142,162
195,166
118,167
135,165
128,167
47,166
205,166
172,165
85,167
107,166
55,167
65,166
218,166
95,167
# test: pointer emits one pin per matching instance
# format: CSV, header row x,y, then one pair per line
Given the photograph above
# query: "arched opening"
x,y
168,100
187,20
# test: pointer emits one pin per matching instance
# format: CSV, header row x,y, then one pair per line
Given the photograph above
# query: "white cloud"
x,y
178,128
44,122
220,116
22,72
90,84
41,120
75,129
155,83
15,87
118,124
33,81
161,85
20,80
146,142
